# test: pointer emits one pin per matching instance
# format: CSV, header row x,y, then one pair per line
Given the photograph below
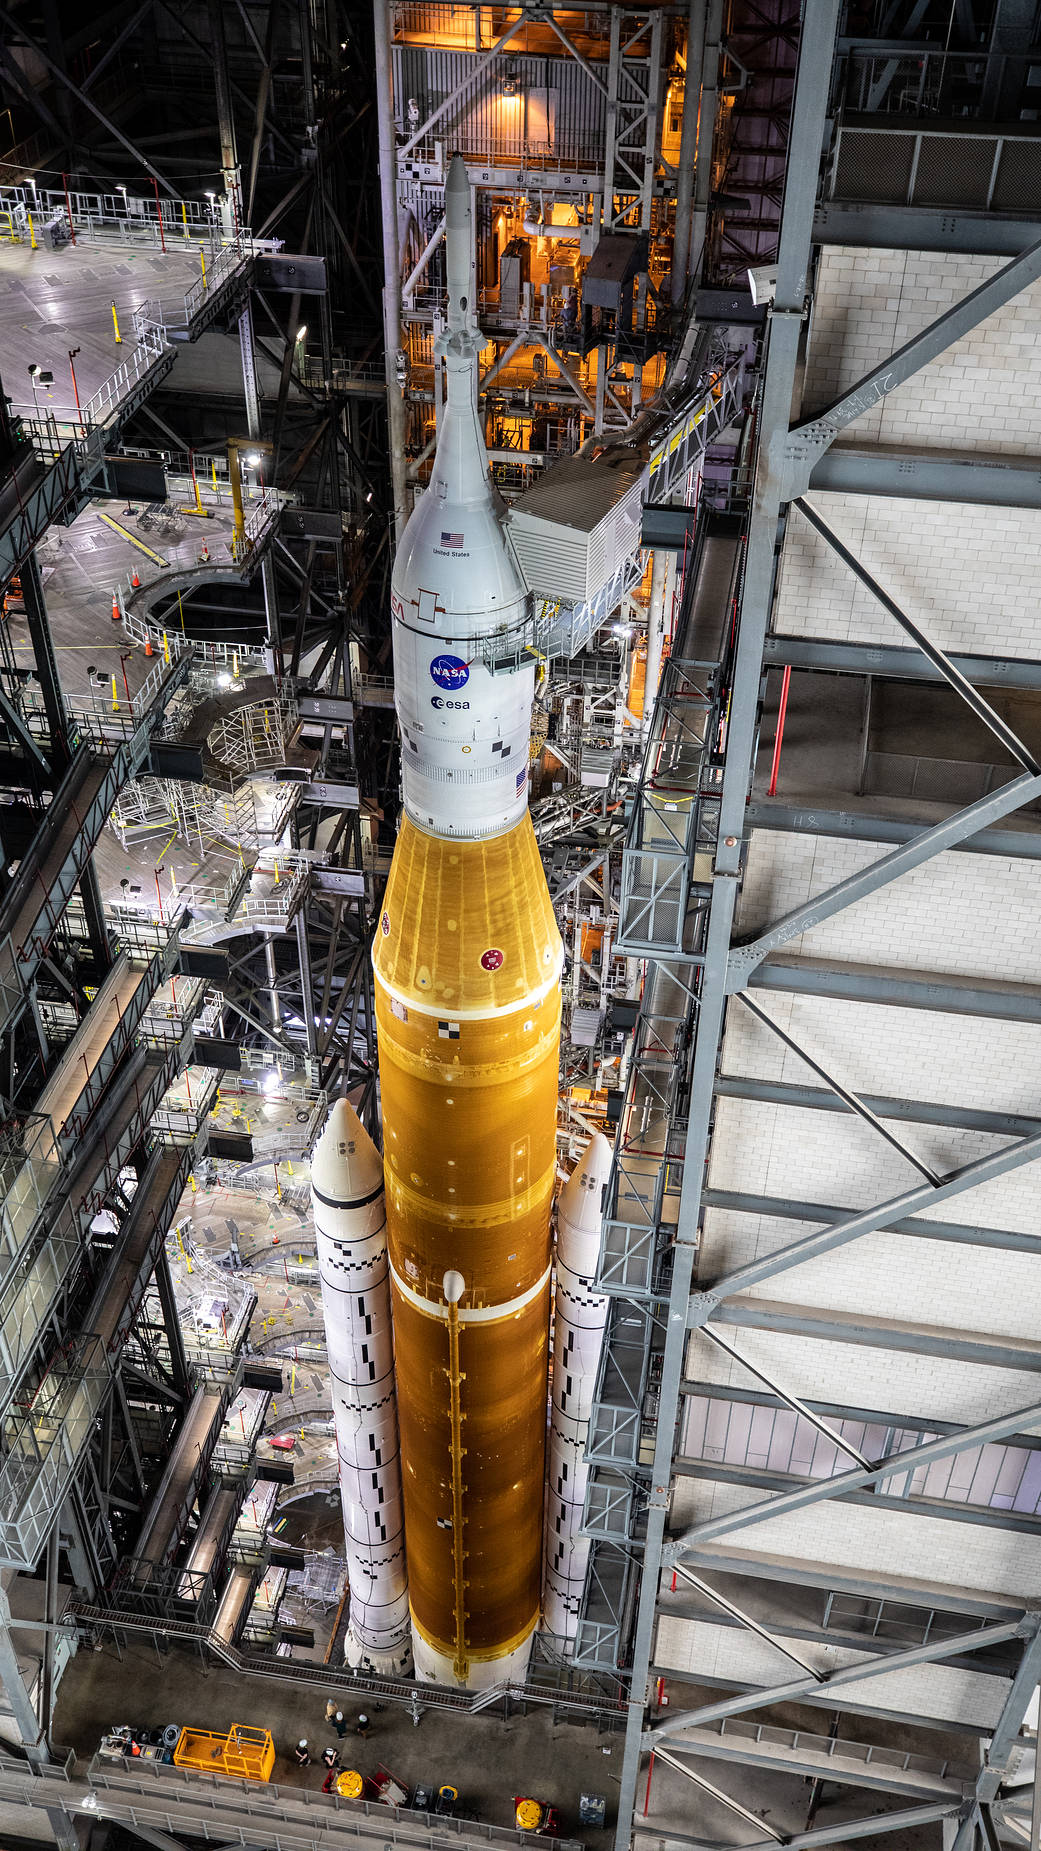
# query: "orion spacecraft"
x,y
467,961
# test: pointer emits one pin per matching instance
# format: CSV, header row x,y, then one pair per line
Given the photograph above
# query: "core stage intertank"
x,y
467,962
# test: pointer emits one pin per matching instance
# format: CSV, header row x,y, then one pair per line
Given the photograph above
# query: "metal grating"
x,y
953,169
873,168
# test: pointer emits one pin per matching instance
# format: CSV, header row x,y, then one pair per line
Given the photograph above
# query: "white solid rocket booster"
x,y
580,1314
351,1229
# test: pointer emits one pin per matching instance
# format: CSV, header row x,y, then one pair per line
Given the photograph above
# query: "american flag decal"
x,y
452,539
521,775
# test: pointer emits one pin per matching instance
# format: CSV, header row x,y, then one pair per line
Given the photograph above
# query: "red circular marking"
x,y
385,925
492,960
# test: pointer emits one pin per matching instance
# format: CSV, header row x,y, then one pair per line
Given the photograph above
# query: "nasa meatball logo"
x,y
492,960
385,925
450,673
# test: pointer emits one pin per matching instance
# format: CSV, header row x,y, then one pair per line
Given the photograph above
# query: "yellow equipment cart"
x,y
242,1754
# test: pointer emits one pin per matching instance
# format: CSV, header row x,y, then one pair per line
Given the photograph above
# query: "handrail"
x,y
284,1671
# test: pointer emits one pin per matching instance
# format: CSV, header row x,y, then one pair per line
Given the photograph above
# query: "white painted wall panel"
x,y
939,917
865,1376
882,1542
964,573
981,391
937,1691
921,1054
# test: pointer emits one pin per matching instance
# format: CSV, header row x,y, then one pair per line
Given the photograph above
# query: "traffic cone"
x,y
204,554
149,651
117,615
135,583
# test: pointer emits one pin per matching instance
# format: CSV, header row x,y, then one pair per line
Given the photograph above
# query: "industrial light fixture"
x,y
510,81
271,1081
252,461
301,332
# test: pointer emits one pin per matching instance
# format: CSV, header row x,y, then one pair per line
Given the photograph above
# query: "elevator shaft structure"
x,y
467,962
351,1234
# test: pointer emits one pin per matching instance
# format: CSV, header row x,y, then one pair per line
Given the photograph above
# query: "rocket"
x,y
467,961
350,1225
579,1316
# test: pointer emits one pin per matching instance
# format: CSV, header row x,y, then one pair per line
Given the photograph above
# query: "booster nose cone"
x,y
580,1207
346,1167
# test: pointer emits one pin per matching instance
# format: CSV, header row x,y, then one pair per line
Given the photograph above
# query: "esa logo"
x,y
450,673
436,701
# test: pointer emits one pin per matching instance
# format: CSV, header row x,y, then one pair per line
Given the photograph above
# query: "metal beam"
x,y
794,1208
466,84
897,989
867,826
742,1618
922,228
895,663
811,88
886,1105
973,699
823,1838
1014,1709
849,1098
808,441
17,33
911,1459
880,1334
941,1510
790,1400
866,1221
932,1653
866,881
717,1793
923,475
841,1410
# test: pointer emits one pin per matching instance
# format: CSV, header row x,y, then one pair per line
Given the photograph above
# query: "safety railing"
x,y
259,521
256,737
834,1748
221,659
120,217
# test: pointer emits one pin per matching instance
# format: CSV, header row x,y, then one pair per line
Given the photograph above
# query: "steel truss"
x,y
684,925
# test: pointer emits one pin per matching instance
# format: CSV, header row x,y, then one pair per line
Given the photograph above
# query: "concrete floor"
x,y
487,1759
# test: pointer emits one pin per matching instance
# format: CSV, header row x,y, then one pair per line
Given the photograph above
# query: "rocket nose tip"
x,y
598,1155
